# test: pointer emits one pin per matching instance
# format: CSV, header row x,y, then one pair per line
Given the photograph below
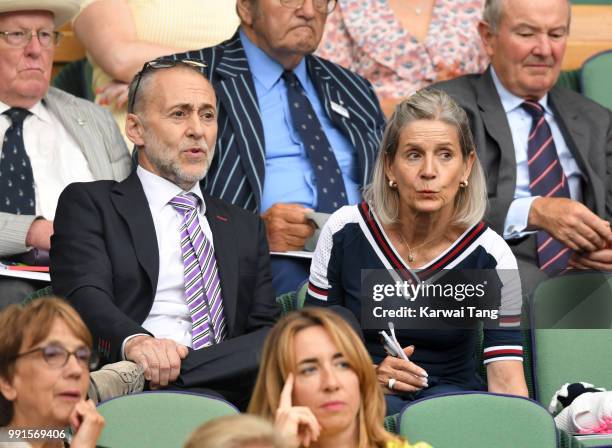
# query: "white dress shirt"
x,y
520,122
169,316
55,156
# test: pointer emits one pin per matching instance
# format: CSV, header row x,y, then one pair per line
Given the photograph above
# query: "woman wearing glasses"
x,y
45,357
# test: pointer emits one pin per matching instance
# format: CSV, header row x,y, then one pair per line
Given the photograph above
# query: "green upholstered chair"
x,y
596,78
572,336
157,419
478,419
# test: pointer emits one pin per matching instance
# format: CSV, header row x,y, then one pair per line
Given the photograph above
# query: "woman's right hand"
x,y
296,423
408,376
86,423
114,93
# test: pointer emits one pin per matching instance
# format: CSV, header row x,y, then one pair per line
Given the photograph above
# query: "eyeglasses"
x,y
323,6
57,356
163,62
22,38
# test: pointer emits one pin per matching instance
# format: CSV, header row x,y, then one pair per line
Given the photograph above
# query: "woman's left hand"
x,y
87,425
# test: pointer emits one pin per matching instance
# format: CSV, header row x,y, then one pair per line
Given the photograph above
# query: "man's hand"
x,y
39,234
287,227
160,358
599,260
409,377
571,223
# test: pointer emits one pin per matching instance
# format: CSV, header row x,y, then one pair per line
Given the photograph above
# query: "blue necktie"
x,y
331,194
16,178
546,179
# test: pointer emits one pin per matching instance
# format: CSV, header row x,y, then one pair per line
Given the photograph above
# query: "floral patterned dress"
x,y
367,37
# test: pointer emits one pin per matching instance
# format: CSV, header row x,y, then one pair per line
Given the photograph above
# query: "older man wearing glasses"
x,y
51,138
297,133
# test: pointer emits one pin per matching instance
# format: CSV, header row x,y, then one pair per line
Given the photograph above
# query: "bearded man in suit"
x,y
164,275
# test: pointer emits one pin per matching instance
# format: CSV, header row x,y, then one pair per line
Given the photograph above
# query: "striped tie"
x,y
202,286
547,180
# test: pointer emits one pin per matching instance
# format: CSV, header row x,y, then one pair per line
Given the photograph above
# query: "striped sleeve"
x,y
511,294
502,345
324,287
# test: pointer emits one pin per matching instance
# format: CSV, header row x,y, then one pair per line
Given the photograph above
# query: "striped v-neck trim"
x,y
391,258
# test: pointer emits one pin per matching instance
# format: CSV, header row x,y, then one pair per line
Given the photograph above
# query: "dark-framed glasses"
x,y
323,6
22,38
57,356
163,62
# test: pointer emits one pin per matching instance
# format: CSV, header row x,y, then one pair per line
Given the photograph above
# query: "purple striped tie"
x,y
547,180
202,286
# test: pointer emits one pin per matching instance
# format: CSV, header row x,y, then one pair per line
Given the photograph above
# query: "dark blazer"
x,y
586,127
105,261
237,173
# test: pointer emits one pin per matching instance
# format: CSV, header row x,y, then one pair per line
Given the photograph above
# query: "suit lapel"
x,y
236,92
496,125
227,260
131,203
576,135
81,129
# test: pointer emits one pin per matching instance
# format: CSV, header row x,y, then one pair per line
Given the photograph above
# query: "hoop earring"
x,y
392,184
463,183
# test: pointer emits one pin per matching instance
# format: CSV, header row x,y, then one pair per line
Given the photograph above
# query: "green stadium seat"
x,y
478,419
596,78
157,419
572,336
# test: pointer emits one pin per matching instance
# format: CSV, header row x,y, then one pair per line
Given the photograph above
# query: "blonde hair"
x,y
427,104
28,325
278,360
236,431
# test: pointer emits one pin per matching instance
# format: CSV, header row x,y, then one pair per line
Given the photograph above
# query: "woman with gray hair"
x,y
421,222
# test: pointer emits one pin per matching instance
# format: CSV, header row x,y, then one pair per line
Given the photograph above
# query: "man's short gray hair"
x,y
493,11
427,104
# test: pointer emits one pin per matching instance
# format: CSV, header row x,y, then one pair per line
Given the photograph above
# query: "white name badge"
x,y
340,109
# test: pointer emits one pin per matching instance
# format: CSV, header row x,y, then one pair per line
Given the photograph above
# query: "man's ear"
x,y
134,129
486,36
245,9
7,390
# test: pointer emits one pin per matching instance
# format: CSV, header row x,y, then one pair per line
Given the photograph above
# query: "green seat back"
x,y
475,419
572,339
157,419
570,79
301,296
596,78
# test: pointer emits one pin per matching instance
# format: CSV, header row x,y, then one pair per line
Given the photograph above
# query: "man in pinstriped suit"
x,y
263,163
64,139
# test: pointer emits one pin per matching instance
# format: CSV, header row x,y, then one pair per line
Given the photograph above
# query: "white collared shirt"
x,y
55,156
169,316
520,122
